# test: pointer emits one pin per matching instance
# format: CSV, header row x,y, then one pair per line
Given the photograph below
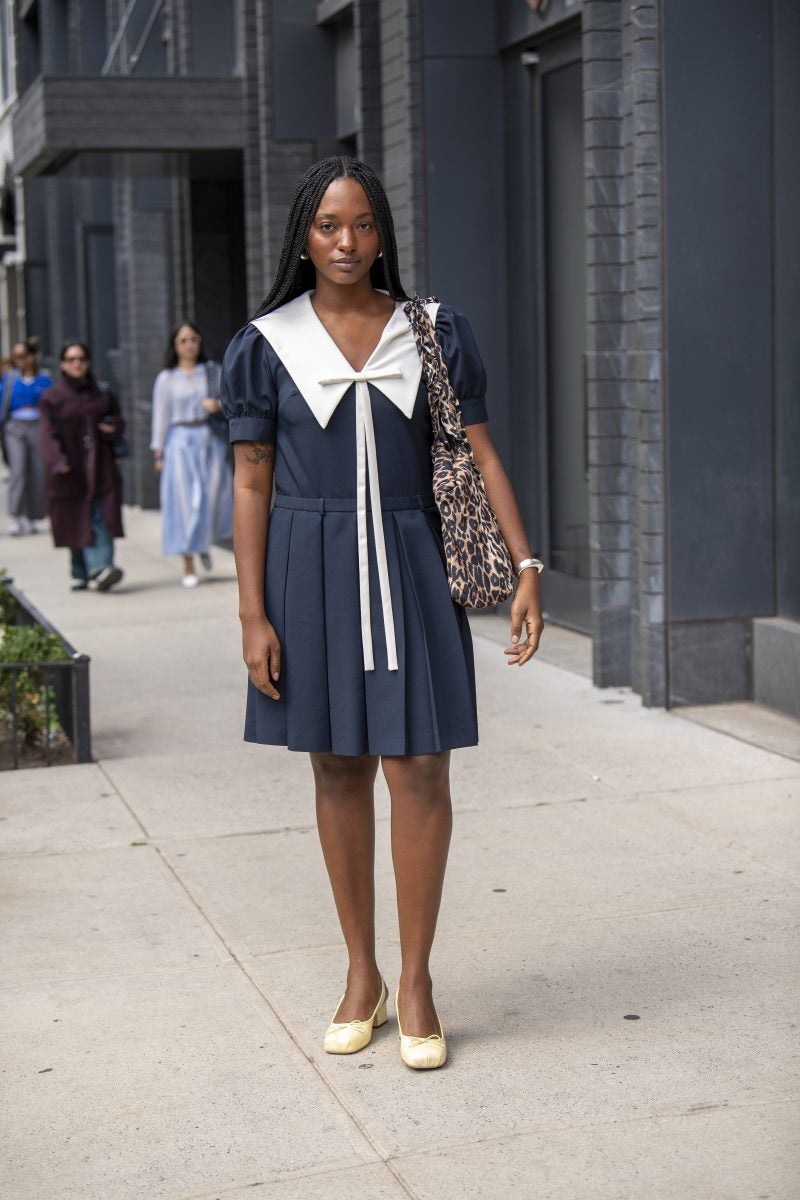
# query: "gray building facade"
x,y
607,188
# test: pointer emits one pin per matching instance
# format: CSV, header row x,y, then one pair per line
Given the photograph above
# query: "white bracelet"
x,y
530,562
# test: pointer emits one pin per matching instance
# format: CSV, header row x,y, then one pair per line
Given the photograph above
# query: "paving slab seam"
x,y
646,793
326,1081
293,1176
737,848
675,713
123,801
105,976
519,1131
167,838
198,906
531,925
333,1089
75,851
392,942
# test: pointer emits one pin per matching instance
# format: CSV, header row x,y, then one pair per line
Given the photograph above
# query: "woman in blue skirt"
x,y
355,651
196,489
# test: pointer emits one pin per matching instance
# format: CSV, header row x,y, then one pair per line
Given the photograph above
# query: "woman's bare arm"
x,y
526,606
252,492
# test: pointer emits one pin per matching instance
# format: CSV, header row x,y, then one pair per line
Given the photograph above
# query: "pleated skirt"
x,y
196,490
328,701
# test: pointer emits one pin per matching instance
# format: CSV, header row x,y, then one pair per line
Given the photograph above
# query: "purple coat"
x,y
71,411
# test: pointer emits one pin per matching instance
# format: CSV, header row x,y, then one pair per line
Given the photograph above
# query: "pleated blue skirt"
x,y
196,490
328,701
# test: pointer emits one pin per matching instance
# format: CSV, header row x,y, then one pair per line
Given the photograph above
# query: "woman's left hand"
x,y
526,608
211,405
105,427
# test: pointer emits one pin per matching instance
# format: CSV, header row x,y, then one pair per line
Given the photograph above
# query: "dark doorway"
x,y
218,249
561,290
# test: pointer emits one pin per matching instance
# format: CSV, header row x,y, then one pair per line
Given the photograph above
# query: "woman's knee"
x,y
343,773
425,775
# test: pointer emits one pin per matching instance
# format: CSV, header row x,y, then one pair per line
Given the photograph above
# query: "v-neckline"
x,y
337,347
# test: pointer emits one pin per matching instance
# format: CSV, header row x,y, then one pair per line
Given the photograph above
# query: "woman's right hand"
x,y
261,651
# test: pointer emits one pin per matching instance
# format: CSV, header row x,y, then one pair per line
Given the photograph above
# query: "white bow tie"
x,y
323,375
365,437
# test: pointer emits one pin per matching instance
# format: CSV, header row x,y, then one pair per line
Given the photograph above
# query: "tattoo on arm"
x,y
260,452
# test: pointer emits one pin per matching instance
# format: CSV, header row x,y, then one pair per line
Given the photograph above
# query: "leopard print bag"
x,y
479,567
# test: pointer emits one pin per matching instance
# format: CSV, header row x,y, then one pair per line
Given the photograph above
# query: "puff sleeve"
x,y
464,365
162,404
247,390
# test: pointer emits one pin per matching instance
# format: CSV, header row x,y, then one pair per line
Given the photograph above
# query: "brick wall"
x,y
646,353
625,348
403,142
368,57
607,278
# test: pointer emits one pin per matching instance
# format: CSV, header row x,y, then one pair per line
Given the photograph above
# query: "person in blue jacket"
x,y
19,416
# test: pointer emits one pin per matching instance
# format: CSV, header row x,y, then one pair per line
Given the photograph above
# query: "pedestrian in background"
x,y
22,387
196,483
355,650
81,424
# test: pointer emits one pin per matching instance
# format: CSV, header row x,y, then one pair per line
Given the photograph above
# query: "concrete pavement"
x,y
616,966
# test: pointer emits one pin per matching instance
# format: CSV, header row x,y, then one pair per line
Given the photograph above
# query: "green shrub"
x,y
8,605
35,700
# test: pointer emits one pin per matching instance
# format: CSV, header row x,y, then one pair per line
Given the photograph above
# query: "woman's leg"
x,y
100,554
78,569
16,451
37,501
346,823
183,497
422,821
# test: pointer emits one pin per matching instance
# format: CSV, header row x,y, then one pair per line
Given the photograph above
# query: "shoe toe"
x,y
346,1039
424,1055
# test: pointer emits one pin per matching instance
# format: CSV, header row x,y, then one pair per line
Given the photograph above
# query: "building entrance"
x,y
563,463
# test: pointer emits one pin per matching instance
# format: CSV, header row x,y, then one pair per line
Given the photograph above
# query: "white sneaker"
x,y
107,578
15,528
189,581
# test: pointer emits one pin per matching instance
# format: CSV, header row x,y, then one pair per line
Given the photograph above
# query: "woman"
x,y
350,662
80,422
196,495
22,388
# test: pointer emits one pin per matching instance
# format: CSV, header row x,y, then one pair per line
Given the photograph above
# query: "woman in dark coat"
x,y
80,420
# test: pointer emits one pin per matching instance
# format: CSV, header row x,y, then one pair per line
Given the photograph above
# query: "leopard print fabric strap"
x,y
479,567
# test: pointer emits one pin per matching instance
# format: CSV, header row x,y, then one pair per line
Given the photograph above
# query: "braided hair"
x,y
295,275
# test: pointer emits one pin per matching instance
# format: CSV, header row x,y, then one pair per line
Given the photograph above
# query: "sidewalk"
x,y
616,967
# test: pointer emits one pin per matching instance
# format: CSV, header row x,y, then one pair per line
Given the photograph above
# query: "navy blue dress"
x,y
370,664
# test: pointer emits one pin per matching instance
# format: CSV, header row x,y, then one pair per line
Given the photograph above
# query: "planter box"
x,y
65,695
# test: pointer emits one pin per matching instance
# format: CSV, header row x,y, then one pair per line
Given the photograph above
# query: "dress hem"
x,y
456,742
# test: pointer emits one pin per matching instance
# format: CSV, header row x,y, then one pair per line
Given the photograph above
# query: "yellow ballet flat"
x,y
425,1053
348,1037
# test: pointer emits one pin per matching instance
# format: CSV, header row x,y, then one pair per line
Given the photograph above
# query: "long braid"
x,y
294,275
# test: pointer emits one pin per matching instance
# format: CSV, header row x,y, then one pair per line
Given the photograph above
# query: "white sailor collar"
x,y
321,372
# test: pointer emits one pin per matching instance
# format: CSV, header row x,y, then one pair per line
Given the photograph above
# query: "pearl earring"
x,y
305,256
380,254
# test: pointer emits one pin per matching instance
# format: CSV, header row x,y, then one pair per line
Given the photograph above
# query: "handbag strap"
x,y
442,400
